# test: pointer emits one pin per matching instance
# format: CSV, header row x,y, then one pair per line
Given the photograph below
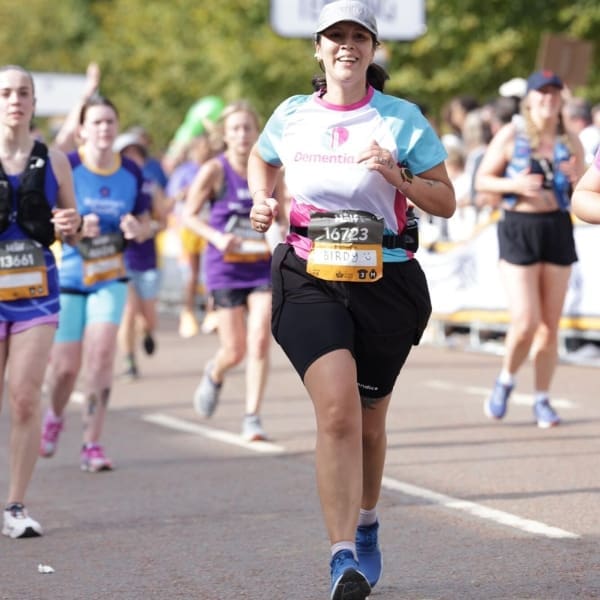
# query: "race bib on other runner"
x,y
253,246
102,258
22,270
346,246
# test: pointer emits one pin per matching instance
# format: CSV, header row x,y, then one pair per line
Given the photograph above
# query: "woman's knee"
x,y
338,421
25,403
524,330
234,355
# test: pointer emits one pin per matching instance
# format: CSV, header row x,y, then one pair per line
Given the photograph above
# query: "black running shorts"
x,y
232,297
377,322
529,238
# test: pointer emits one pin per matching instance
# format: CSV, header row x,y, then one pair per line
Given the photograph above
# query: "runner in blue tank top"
x,y
29,301
237,268
93,281
533,164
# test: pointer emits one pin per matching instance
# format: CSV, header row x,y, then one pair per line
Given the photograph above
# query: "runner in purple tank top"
x,y
237,268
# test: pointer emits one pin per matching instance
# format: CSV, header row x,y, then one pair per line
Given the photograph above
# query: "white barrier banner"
x,y
466,278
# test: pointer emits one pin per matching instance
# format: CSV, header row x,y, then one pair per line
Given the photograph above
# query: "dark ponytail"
x,y
377,76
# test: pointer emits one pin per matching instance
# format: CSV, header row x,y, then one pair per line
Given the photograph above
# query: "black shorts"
x,y
529,238
377,322
232,297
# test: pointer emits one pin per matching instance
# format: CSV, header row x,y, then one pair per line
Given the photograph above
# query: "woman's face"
x,y
240,131
346,49
17,102
100,127
545,102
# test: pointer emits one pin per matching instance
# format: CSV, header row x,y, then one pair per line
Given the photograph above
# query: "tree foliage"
x,y
158,58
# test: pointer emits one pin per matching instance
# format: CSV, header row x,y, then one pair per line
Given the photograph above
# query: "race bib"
x,y
253,246
346,246
102,258
22,270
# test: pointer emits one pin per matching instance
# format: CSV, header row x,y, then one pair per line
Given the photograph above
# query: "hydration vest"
x,y
554,178
33,211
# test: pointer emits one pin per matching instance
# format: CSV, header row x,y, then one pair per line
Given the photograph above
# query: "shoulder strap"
x,y
34,213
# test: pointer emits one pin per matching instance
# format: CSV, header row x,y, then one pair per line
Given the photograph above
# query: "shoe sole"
x,y
490,415
351,586
255,438
547,424
376,581
200,407
205,409
88,469
28,533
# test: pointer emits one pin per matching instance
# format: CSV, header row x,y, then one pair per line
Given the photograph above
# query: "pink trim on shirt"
x,y
597,160
342,107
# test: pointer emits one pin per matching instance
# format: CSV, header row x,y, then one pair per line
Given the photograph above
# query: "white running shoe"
x,y
18,524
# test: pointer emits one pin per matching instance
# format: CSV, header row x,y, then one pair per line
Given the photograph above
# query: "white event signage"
x,y
57,92
396,19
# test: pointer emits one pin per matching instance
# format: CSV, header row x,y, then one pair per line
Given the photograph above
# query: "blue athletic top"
x,y
521,160
25,309
110,194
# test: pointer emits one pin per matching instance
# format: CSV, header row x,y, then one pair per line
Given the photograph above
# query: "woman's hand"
x,y
377,158
227,242
67,221
528,184
263,213
131,227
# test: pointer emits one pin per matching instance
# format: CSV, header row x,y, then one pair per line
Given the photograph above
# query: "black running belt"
x,y
388,241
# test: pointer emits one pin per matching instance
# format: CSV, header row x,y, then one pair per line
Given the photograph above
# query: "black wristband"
x,y
80,228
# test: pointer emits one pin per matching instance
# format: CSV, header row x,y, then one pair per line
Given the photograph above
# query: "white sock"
x,y
367,517
540,395
506,378
344,546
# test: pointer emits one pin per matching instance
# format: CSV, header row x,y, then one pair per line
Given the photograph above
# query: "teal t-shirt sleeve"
x,y
424,149
270,138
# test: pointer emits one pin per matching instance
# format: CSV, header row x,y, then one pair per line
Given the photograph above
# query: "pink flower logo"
x,y
337,137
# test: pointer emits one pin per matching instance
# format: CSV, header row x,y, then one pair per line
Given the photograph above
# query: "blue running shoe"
x,y
347,582
369,552
545,415
495,405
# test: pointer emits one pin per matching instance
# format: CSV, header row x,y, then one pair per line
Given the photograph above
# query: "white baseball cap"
x,y
347,10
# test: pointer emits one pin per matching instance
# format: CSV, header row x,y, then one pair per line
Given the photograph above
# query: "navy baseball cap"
x,y
539,79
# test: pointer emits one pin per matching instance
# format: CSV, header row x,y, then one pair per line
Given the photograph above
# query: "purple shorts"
x,y
8,328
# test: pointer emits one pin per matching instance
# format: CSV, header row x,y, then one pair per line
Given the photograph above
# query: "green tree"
x,y
158,58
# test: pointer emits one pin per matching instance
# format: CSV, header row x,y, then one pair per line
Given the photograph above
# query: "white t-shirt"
x,y
318,144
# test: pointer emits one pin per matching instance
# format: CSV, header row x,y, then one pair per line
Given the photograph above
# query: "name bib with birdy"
x,y
22,270
252,248
102,258
346,246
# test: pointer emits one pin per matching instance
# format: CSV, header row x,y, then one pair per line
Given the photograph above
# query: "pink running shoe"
x,y
93,460
51,428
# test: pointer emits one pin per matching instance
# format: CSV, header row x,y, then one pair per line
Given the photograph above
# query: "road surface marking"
x,y
482,392
478,510
214,434
471,508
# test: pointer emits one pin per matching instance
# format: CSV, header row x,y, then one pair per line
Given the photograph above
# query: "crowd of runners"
x,y
279,231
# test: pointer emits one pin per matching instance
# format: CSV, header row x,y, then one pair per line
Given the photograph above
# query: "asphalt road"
x,y
470,508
